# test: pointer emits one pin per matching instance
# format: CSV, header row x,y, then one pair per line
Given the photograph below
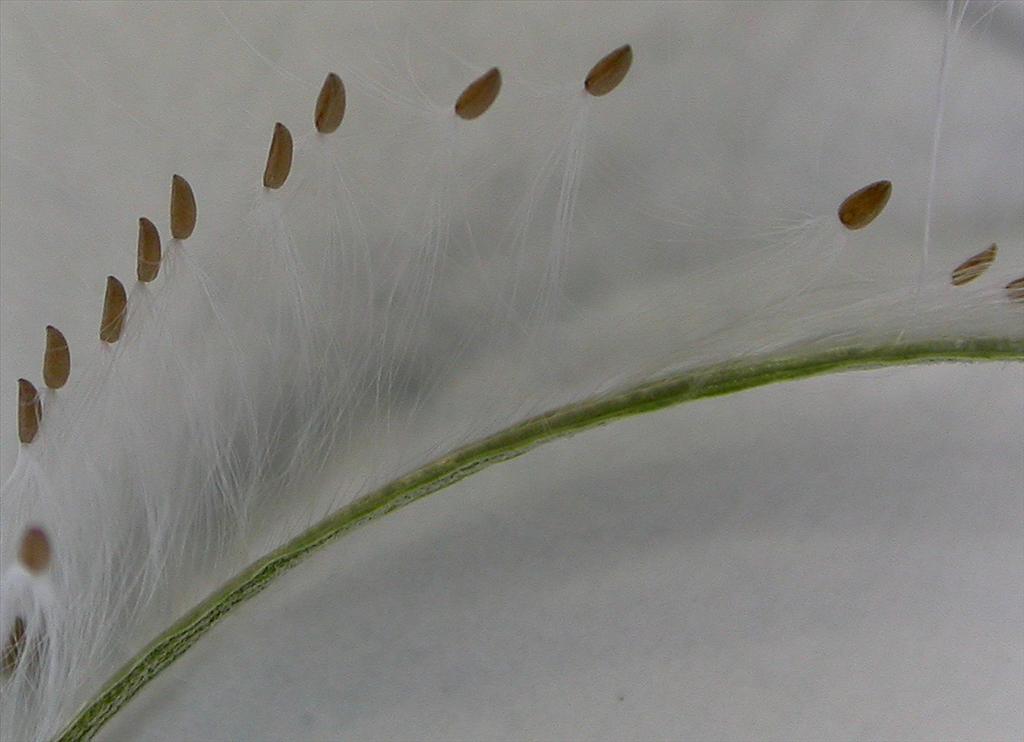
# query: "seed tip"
x,y
115,302
606,75
330,105
479,95
183,208
30,411
974,266
35,551
862,207
56,359
1015,289
279,159
148,263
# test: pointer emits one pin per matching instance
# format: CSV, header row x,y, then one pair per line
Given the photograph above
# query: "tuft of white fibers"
x,y
418,280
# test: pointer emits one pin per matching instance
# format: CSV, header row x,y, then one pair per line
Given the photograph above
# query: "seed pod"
x,y
115,302
606,75
279,159
148,262
1015,289
35,552
56,359
183,209
478,97
330,105
30,411
862,207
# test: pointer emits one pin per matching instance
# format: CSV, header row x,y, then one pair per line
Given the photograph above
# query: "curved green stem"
x,y
564,421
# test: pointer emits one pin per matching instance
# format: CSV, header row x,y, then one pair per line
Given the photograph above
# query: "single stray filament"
x,y
863,207
148,264
330,105
606,75
115,301
279,159
30,410
183,209
478,97
35,552
56,359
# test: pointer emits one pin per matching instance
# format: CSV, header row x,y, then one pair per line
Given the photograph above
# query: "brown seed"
x,y
279,159
14,646
862,207
115,302
35,552
330,105
30,411
606,75
478,97
1015,289
56,359
148,264
974,266
183,209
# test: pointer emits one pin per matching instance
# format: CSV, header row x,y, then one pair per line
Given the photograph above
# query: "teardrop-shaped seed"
x,y
115,301
330,105
862,207
1015,289
148,264
183,209
56,359
279,159
974,266
34,552
30,411
479,95
606,75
